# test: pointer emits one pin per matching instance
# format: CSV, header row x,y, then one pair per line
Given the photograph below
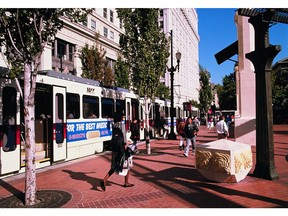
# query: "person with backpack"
x,y
118,144
191,130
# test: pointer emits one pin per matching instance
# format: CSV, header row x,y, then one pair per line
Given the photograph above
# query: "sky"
x,y
217,30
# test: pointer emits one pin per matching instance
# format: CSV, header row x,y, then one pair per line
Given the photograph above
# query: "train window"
x,y
141,113
9,119
59,113
107,107
152,111
60,106
43,103
90,107
128,116
167,111
120,106
178,112
73,106
128,110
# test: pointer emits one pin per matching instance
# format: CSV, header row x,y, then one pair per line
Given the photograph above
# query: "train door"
x,y
59,124
10,148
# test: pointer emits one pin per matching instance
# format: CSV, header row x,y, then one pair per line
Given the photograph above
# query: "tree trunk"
x,y
29,118
148,147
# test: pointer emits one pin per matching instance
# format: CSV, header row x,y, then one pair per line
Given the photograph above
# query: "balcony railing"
x,y
66,65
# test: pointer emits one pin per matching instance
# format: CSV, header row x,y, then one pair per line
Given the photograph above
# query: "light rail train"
x,y
73,118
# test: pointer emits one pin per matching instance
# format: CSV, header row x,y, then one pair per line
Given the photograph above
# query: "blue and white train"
x,y
73,118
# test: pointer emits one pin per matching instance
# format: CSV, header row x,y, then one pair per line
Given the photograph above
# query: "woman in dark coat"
x,y
191,130
116,153
135,134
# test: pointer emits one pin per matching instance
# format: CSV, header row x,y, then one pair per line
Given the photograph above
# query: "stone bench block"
x,y
224,160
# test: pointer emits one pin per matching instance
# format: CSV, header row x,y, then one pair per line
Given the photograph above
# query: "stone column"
x,y
245,122
46,58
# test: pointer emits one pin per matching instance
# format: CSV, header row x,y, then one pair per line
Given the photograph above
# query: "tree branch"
x,y
13,44
9,35
19,30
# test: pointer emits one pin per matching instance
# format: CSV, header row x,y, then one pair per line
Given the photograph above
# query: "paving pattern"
x,y
164,179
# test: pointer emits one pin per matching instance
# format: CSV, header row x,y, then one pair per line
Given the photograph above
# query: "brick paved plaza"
x,y
164,179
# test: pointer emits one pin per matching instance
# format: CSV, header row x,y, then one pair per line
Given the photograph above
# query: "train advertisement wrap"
x,y
77,131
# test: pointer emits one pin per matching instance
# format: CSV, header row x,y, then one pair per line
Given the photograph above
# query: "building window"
x,y
93,25
120,23
111,35
71,52
111,16
161,24
105,32
61,49
161,13
105,13
111,63
63,56
84,22
64,50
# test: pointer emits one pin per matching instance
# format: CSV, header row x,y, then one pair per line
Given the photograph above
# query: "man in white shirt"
x,y
222,128
196,120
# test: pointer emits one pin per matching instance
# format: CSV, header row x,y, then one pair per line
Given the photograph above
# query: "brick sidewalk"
x,y
164,179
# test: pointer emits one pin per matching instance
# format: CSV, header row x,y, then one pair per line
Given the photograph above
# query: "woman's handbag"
x,y
128,163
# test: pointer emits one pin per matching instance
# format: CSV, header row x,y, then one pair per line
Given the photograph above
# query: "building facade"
x,y
63,54
184,25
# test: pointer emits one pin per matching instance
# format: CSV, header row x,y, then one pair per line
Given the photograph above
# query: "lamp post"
x,y
172,135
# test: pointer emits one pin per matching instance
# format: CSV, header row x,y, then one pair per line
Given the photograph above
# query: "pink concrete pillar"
x,y
245,116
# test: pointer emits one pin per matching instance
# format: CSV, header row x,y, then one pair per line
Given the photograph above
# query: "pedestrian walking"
x,y
181,132
210,122
118,143
222,128
191,130
196,120
164,126
228,120
135,134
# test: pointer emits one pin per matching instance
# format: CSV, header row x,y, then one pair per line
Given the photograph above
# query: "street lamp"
x,y
172,135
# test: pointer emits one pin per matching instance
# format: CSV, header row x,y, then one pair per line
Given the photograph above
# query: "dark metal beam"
x,y
227,53
279,15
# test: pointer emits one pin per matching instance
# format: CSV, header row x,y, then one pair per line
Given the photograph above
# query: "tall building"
x,y
63,54
184,25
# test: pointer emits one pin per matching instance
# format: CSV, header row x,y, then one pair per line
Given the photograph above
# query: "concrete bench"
x,y
224,160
